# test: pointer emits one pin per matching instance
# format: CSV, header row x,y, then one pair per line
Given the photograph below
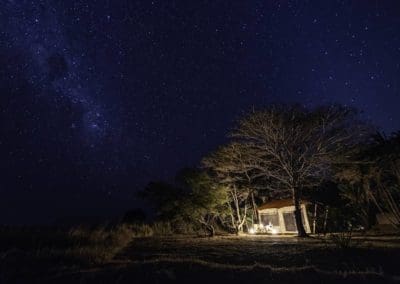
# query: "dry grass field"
x,y
224,259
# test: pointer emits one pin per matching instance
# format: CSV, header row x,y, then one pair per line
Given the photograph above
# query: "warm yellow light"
x,y
252,231
274,231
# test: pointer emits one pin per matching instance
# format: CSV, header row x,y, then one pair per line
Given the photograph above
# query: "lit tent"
x,y
277,217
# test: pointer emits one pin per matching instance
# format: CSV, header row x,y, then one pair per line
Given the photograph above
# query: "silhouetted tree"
x,y
384,153
163,198
136,215
354,178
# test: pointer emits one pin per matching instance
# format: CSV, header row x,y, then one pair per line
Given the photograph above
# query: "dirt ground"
x,y
245,259
276,252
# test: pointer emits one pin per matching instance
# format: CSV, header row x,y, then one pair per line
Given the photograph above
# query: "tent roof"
x,y
279,203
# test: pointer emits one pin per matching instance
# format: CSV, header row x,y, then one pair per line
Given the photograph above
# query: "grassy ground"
x,y
375,259
32,253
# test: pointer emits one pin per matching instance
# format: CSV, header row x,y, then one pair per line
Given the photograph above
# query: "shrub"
x,y
142,230
345,240
99,245
162,229
79,245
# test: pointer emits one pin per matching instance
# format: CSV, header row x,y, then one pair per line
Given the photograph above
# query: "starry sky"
x,y
100,97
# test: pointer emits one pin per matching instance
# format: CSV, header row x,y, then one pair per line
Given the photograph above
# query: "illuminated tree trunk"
x,y
207,225
254,218
237,219
301,232
211,231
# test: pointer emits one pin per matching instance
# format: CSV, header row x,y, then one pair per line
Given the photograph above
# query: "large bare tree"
x,y
294,147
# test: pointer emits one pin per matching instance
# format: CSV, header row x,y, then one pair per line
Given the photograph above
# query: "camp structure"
x,y
277,217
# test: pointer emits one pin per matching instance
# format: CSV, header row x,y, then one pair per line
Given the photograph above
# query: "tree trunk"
x,y
301,232
315,218
211,231
238,220
326,218
255,211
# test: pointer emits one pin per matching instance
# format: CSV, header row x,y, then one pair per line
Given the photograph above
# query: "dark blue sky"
x,y
100,97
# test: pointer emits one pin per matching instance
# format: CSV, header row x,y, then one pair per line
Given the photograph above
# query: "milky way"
x,y
100,97
55,66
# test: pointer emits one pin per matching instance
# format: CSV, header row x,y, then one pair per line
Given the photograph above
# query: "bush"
x,y
162,229
98,245
345,240
142,230
79,245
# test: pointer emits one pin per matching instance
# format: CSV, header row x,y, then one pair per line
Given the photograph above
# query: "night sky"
x,y
100,97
